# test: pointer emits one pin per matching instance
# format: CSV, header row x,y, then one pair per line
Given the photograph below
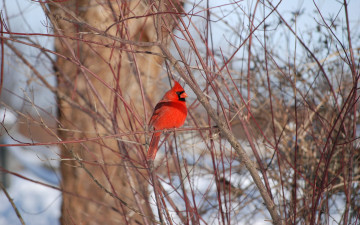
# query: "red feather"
x,y
169,113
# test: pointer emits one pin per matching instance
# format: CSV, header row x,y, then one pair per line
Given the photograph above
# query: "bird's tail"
x,y
153,146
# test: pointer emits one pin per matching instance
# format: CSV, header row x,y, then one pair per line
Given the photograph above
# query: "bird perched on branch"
x,y
169,113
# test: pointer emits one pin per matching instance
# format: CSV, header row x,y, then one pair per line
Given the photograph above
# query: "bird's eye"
x,y
179,93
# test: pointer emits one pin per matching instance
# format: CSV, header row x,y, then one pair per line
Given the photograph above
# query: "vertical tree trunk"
x,y
100,100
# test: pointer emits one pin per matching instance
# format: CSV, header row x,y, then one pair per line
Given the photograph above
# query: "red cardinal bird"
x,y
170,112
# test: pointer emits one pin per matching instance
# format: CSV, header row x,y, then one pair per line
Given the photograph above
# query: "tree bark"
x,y
107,67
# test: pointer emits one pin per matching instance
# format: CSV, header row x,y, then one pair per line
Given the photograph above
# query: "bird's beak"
x,y
183,95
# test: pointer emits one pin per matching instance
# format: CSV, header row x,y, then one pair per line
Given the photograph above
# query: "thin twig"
x,y
12,204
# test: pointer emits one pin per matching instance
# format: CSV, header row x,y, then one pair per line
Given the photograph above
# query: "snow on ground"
x,y
37,204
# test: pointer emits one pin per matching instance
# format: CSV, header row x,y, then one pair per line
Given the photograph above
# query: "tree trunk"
x,y
100,66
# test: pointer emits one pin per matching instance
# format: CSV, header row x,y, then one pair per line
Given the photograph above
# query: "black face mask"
x,y
179,93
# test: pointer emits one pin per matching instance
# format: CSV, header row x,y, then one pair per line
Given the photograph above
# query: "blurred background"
x,y
26,104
